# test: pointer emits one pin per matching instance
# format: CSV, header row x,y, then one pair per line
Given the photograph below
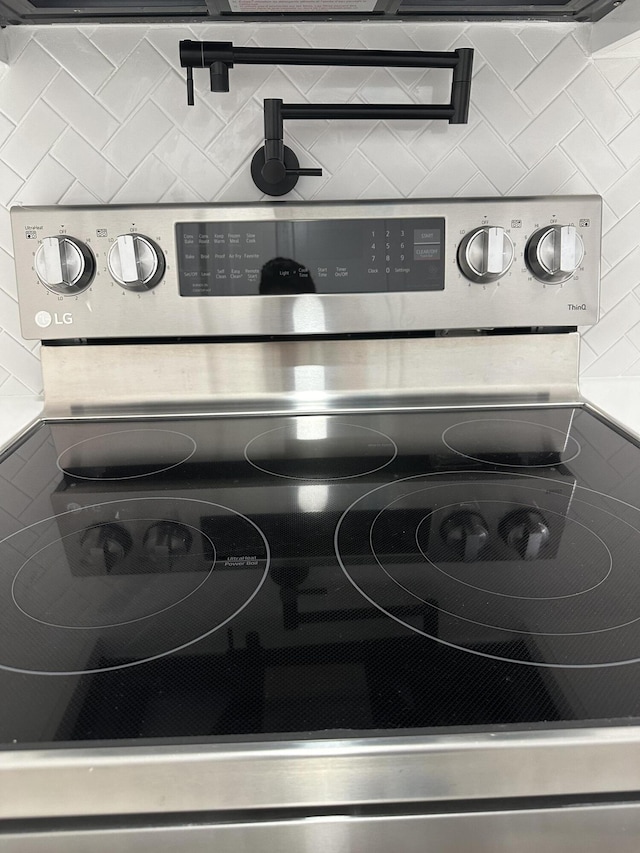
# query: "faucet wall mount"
x,y
275,168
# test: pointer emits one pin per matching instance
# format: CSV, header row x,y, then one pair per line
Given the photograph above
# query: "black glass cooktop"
x,y
318,575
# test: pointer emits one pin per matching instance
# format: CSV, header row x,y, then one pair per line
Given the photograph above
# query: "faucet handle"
x,y
190,97
275,176
302,173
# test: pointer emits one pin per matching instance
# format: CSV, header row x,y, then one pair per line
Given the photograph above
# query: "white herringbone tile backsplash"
x,y
92,115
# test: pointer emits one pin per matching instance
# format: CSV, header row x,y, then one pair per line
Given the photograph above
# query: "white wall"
x,y
98,115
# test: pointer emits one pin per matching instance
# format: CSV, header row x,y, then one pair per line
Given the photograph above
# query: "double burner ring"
x,y
77,609
574,606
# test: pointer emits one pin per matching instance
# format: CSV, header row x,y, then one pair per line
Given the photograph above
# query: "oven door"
x,y
556,825
574,789
587,828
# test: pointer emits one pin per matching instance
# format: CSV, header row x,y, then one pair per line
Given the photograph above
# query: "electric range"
x,y
316,542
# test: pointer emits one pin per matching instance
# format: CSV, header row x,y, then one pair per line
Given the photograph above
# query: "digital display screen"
x,y
310,256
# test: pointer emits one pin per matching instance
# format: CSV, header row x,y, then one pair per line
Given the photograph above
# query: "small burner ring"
x,y
183,449
571,451
311,432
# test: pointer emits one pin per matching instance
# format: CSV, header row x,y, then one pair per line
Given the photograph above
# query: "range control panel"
x,y
301,256
306,268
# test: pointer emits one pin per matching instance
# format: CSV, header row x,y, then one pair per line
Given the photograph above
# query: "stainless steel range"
x,y
316,544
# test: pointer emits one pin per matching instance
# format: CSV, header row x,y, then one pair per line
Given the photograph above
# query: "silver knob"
x,y
64,265
466,531
166,540
526,531
105,545
485,254
554,253
136,262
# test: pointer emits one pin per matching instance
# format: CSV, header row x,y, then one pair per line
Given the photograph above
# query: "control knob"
x,y
165,540
526,531
64,265
553,254
466,531
105,545
485,254
135,262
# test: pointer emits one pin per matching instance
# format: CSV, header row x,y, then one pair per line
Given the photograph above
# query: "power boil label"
x,y
243,562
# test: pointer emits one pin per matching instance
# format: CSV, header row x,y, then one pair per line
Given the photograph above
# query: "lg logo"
x,y
44,319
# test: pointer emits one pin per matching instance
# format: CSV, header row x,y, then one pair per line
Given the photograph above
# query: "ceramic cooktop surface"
x,y
202,578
